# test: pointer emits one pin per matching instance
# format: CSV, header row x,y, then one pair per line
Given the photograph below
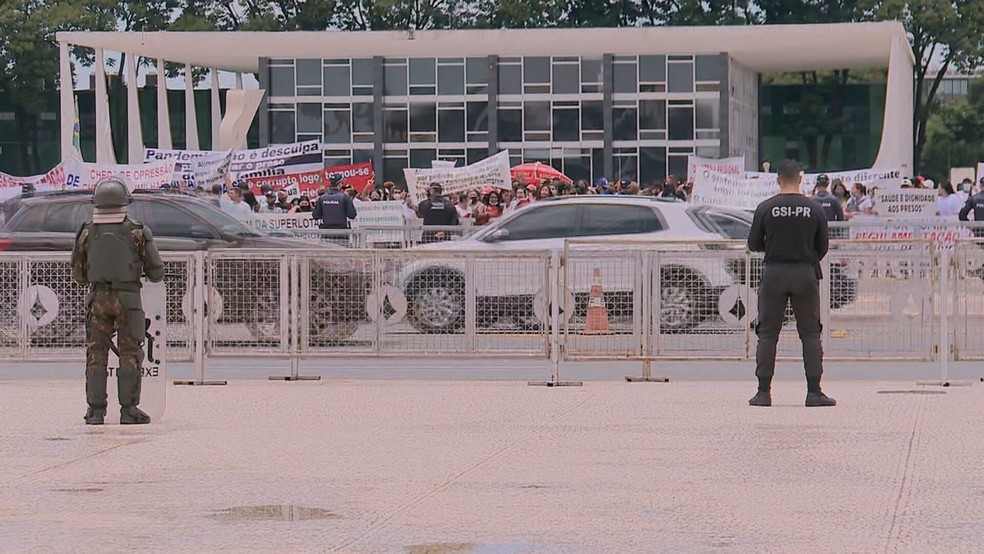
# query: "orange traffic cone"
x,y
597,322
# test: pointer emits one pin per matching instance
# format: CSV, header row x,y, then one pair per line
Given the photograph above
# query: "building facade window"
x,y
547,108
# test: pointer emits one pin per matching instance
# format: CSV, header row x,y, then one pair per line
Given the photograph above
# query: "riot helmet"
x,y
109,201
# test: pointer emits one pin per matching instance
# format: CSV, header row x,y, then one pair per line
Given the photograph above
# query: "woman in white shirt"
x,y
948,203
860,203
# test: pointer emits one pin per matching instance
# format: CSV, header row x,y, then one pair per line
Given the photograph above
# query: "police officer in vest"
x,y
792,231
832,209
975,204
334,208
110,255
435,210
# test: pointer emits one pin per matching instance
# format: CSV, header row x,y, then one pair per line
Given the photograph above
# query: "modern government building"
x,y
621,103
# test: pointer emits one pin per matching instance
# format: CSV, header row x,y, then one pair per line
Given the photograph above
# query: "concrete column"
x,y
725,110
378,82
239,81
104,134
608,90
493,105
264,79
134,131
163,113
216,109
191,115
66,94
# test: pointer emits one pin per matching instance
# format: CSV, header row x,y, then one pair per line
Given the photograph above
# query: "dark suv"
x,y
183,223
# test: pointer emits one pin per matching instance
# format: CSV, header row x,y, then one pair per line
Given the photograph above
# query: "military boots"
x,y
132,415
95,416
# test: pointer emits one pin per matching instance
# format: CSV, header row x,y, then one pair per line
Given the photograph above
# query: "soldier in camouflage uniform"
x,y
110,255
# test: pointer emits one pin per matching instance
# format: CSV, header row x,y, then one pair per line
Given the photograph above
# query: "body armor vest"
x,y
113,257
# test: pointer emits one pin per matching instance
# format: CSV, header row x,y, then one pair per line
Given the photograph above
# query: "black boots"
x,y
819,399
132,415
95,416
761,399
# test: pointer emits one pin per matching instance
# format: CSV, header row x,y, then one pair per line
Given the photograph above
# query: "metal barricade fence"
x,y
690,300
42,308
381,236
967,307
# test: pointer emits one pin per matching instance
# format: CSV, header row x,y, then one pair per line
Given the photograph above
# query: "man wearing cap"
x,y
110,255
334,208
832,209
435,210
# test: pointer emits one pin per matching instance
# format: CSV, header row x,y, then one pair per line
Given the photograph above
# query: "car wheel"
x,y
327,324
437,302
679,306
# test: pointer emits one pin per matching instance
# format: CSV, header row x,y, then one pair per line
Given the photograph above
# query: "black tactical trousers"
x,y
798,285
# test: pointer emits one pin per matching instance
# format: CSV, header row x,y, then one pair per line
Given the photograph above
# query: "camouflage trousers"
x,y
109,312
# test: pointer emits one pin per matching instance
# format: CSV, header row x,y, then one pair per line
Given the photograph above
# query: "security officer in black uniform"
x,y
436,211
975,204
832,209
334,208
792,231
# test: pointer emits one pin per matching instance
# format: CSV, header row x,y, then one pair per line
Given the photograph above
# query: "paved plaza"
x,y
453,466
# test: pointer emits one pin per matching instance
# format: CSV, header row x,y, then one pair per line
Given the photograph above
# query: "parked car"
x,y
690,289
48,222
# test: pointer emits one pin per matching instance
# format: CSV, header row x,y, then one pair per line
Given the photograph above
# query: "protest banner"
x,y
980,171
943,236
727,166
11,186
83,175
906,203
877,178
731,191
490,172
210,170
360,176
371,214
442,164
272,160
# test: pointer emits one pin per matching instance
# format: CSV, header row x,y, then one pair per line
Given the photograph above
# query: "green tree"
x,y
29,59
955,134
945,35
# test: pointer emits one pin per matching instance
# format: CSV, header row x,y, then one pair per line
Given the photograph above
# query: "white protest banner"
x,y
727,166
79,174
210,170
877,178
442,164
906,203
11,186
490,172
943,236
731,191
980,171
272,160
389,213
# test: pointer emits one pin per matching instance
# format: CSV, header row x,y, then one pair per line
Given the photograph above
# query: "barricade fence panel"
x,y
246,302
380,236
967,300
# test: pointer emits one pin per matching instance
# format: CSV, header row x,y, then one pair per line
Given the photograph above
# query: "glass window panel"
x,y
680,77
477,70
601,219
652,69
422,71
478,116
566,124
281,81
536,116
543,223
677,165
362,156
590,71
474,155
707,68
681,124
338,127
510,79
423,117
395,125
593,115
510,125
566,79
652,114
309,118
393,170
708,113
652,164
308,72
362,72
451,79
362,117
396,80
282,127
536,70
422,157
626,123
451,127
625,167
337,81
625,77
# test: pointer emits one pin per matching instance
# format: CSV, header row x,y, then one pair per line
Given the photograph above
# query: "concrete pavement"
x,y
477,466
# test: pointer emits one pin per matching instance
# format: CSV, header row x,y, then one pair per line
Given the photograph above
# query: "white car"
x,y
507,288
